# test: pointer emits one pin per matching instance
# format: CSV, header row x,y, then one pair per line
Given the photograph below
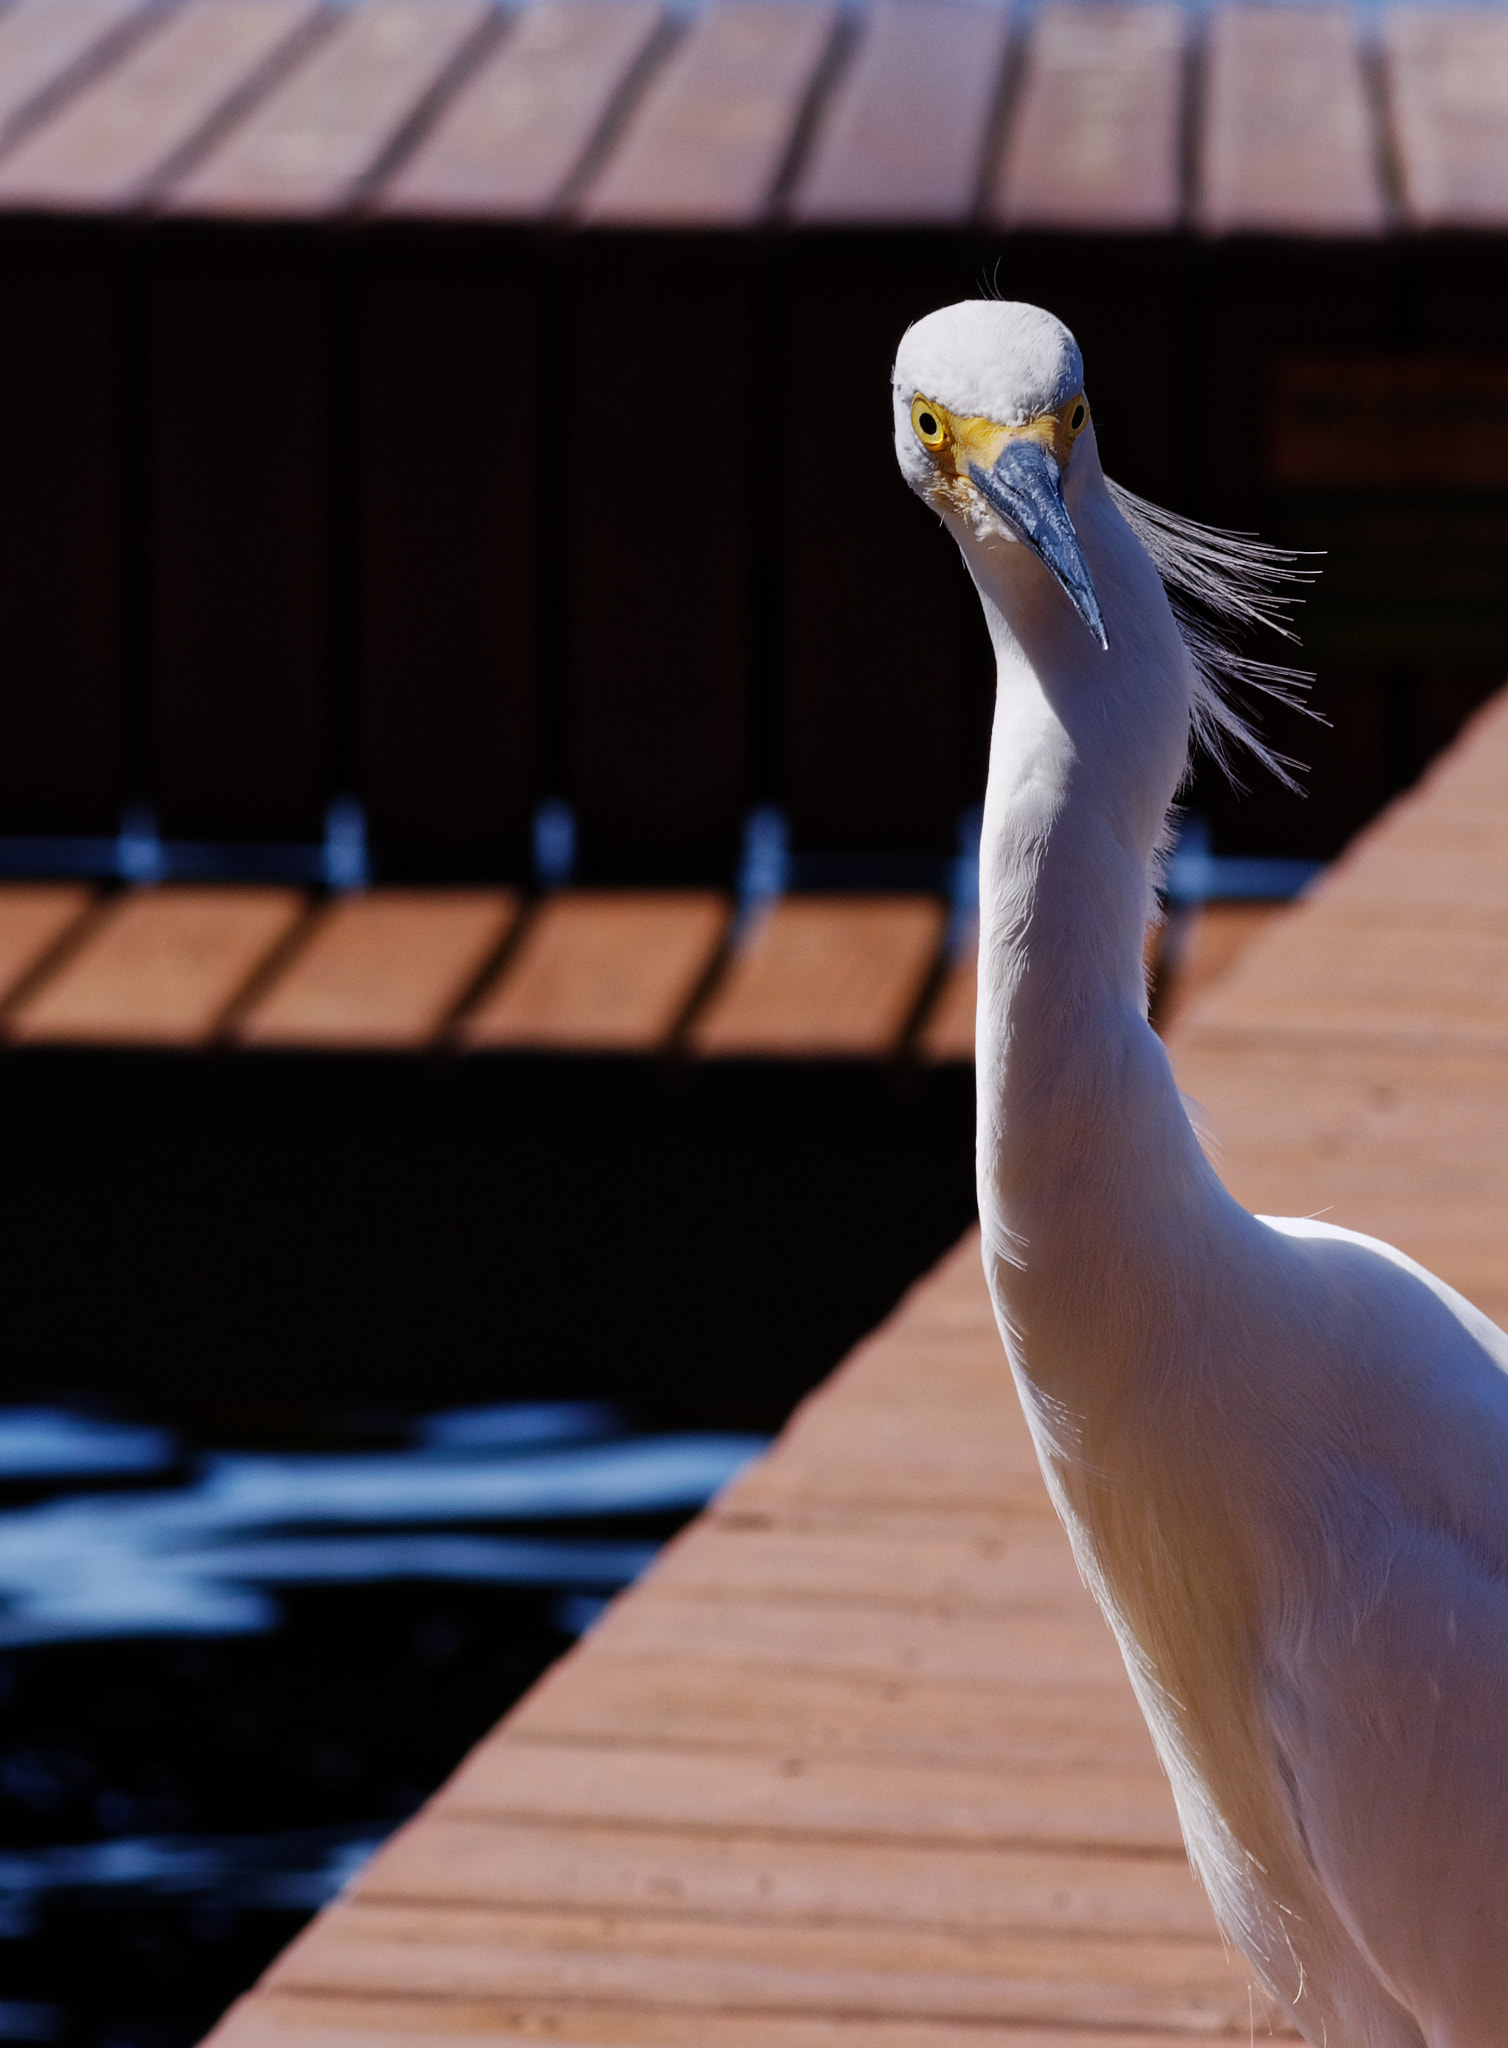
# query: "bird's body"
x,y
1280,1449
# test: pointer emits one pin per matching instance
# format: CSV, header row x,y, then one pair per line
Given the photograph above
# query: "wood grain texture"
x,y
112,141
824,977
669,1961
710,138
477,1860
517,131
1448,87
1096,139
382,971
294,2021
47,43
162,968
310,145
1288,144
602,971
902,138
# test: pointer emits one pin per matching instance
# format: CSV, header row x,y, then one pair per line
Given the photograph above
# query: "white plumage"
x,y
1280,1449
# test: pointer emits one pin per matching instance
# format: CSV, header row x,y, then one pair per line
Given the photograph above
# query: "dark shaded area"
x,y
455,411
296,1252
63,504
234,1234
238,1778
871,594
658,501
240,519
455,518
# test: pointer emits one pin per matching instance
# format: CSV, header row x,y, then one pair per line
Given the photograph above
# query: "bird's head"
x,y
989,407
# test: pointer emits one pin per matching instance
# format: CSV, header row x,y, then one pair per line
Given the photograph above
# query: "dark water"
x,y
227,1672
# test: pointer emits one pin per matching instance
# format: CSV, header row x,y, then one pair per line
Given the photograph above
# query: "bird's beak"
x,y
1024,484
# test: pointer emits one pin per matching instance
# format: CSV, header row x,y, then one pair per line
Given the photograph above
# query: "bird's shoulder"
x,y
1322,1235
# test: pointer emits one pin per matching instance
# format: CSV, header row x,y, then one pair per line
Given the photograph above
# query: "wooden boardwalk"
x,y
857,1761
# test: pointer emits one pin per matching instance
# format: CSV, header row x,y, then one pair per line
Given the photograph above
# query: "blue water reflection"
x,y
206,1555
225,1674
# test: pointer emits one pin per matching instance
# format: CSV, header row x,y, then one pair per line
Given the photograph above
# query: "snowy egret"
x,y
1280,1448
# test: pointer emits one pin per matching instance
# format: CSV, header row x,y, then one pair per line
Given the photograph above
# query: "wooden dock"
x,y
857,1761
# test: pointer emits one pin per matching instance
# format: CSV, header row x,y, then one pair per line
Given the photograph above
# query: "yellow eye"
x,y
927,424
1078,415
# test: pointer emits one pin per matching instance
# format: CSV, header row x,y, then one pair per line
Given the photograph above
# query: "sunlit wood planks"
x,y
1283,124
623,972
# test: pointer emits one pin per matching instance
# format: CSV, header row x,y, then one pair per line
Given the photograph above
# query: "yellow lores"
x,y
976,442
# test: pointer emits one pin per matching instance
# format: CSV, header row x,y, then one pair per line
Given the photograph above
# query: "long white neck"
x,y
1087,1166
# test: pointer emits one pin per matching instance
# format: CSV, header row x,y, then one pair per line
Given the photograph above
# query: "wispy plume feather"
x,y
1220,585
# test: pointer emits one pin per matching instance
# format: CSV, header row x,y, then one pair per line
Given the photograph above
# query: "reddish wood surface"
x,y
902,137
162,967
308,148
712,134
824,977
602,971
47,44
947,1031
518,129
1448,87
1288,143
167,98
1196,948
1095,143
384,971
35,919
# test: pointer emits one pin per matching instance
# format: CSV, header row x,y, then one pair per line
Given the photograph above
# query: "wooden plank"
x,y
598,1868
111,143
1096,140
1367,974
35,919
385,970
997,1566
947,1032
310,146
1200,946
1288,142
902,137
291,2020
1123,1807
1071,1647
824,977
1448,79
518,129
47,46
602,971
687,1705
163,967
666,1961
710,139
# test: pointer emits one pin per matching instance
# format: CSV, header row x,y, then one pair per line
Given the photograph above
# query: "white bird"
x,y
1280,1448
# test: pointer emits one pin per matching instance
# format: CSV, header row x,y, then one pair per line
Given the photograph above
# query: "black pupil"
x,y
1078,418
927,424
